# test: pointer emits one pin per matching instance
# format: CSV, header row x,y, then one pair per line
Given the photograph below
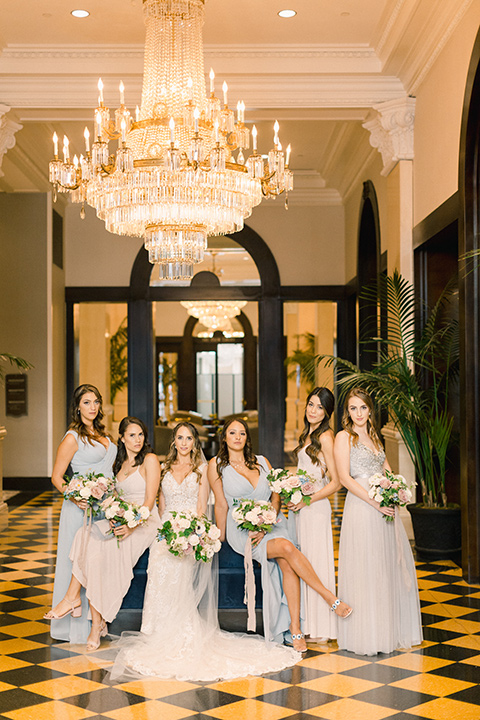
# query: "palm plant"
x,y
411,377
14,360
303,358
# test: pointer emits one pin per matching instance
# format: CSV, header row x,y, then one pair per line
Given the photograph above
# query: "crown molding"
x,y
261,91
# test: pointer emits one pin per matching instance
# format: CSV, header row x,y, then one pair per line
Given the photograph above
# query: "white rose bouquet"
x,y
292,488
92,487
124,512
254,515
389,490
187,533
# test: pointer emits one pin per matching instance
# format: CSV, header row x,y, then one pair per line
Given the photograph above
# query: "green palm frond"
x,y
18,362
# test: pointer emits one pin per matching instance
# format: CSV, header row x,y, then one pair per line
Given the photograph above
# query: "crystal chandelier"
x,y
212,314
174,179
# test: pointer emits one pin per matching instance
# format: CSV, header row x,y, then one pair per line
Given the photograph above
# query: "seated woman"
x,y
180,637
236,473
100,564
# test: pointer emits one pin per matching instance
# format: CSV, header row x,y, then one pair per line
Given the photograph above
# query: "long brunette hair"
x,y
122,450
249,456
196,456
347,422
76,422
327,402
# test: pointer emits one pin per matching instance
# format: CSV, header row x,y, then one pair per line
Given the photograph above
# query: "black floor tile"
x,y
384,674
470,695
448,652
296,675
459,671
43,655
28,675
297,698
437,635
393,697
19,698
104,700
201,699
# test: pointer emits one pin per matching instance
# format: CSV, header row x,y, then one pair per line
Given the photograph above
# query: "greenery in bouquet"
x,y
254,515
389,490
123,512
187,533
292,487
91,487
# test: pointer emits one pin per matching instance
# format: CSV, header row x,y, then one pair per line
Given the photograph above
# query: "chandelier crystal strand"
x,y
173,179
214,315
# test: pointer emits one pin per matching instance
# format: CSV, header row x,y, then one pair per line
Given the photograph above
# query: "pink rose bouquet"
x,y
291,487
389,490
187,533
124,512
254,515
92,487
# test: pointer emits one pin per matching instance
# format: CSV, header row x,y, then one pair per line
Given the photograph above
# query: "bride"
x,y
180,637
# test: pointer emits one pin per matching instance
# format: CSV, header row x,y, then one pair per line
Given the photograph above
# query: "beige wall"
x,y
31,325
438,119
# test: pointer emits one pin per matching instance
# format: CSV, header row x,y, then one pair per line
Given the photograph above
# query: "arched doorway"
x,y
271,406
469,283
368,269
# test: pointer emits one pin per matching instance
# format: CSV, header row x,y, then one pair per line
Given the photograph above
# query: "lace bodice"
x,y
183,496
364,462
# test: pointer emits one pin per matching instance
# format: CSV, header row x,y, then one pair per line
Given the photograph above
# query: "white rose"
x,y
270,516
214,533
296,497
217,545
144,512
85,492
183,523
237,514
132,523
378,497
252,516
109,513
209,552
277,486
193,539
371,493
129,516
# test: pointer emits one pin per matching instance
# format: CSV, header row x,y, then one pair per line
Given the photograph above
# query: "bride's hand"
x,y
256,536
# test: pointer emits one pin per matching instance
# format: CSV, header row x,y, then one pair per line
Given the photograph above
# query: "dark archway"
x,y
271,404
368,270
469,241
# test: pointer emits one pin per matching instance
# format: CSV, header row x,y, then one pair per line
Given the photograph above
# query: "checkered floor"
x,y
41,679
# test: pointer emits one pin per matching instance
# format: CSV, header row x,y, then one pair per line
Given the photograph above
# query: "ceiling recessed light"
x,y
80,13
287,13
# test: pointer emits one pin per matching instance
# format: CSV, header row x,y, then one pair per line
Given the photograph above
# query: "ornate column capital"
x,y
8,128
390,125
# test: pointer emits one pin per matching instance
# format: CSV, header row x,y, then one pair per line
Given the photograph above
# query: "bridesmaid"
x,y
237,473
376,571
87,447
101,565
314,522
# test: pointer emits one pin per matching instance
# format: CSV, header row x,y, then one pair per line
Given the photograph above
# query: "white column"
x,y
8,128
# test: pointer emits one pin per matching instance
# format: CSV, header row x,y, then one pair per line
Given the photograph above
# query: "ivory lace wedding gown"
x,y
180,637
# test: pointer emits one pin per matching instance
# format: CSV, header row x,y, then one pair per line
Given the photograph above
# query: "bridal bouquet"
x,y
91,487
254,515
389,490
123,512
189,534
291,488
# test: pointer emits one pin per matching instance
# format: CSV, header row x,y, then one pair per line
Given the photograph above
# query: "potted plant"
x,y
411,377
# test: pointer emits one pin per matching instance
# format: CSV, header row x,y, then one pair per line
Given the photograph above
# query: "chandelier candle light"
x,y
174,179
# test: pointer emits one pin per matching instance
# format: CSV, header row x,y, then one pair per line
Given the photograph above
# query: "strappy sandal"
x,y
74,610
335,606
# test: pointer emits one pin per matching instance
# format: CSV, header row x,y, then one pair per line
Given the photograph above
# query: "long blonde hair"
x,y
347,422
196,456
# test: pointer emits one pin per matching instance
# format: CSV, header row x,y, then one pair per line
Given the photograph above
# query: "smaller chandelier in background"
x,y
179,174
214,315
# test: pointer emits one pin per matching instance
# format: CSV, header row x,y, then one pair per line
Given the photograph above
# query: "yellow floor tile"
x,y
36,555
153,689
10,663
436,596
445,709
16,645
432,684
49,711
425,584
250,709
25,629
25,565
75,664
249,687
446,610
342,685
6,586
475,660
332,663
43,600
466,627
413,661
150,710
17,575
349,709
6,686
467,641
63,687
35,613
6,598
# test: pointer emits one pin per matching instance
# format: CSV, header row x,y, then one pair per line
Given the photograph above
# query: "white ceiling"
x,y
319,73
